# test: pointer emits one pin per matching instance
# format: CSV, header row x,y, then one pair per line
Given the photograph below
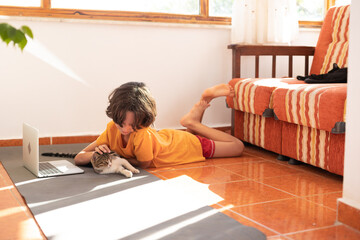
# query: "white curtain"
x,y
264,21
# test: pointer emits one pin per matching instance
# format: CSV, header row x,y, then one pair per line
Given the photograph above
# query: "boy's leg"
x,y
226,145
217,91
211,93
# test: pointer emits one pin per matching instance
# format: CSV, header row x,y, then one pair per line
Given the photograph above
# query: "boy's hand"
x,y
102,149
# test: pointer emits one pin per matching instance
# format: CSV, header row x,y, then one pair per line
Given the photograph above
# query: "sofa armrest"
x,y
268,50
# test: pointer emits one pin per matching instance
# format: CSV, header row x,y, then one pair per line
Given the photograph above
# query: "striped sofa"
x,y
304,122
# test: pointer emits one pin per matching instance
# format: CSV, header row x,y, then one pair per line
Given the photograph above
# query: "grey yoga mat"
x,y
93,206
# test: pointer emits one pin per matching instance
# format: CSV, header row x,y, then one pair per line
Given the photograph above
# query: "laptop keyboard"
x,y
46,168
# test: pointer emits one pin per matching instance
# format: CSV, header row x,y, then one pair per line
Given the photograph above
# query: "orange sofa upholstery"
x,y
302,121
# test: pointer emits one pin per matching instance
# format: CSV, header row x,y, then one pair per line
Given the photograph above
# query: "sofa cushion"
x,y
332,45
254,95
320,106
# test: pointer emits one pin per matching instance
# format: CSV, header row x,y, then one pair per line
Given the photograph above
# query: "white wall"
x,y
177,63
61,81
351,186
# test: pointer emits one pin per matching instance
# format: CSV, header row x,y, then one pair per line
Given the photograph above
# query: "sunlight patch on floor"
x,y
169,230
98,187
151,205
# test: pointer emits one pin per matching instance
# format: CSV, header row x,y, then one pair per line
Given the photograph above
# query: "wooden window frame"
x,y
45,10
328,4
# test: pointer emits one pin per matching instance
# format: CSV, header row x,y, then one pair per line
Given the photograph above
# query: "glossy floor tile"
x,y
259,152
340,232
261,169
281,200
210,162
328,199
246,221
277,238
304,184
225,161
246,192
206,174
183,166
289,215
16,220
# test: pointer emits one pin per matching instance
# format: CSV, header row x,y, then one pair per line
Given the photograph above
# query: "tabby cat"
x,y
103,163
112,163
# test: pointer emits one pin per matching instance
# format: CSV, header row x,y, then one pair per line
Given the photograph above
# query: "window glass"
x,y
21,3
310,10
220,8
161,6
342,2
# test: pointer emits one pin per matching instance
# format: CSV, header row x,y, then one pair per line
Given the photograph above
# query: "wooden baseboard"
x,y
51,140
71,139
348,215
74,139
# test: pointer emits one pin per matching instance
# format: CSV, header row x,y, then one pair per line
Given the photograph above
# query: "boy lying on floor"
x,y
132,109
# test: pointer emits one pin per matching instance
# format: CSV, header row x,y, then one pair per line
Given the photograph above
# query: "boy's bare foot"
x,y
217,91
195,115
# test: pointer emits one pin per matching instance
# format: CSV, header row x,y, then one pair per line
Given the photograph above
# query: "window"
x,y
160,6
172,11
220,8
311,12
21,3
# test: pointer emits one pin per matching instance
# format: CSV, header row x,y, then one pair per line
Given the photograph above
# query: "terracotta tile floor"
x,y
16,220
281,200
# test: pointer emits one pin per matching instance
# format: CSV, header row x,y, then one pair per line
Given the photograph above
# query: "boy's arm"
x,y
84,157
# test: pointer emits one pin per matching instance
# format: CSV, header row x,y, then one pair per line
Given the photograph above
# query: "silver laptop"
x,y
31,157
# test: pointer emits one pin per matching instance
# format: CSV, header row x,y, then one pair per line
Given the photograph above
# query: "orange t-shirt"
x,y
164,148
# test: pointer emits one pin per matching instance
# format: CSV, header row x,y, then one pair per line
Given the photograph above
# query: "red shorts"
x,y
208,146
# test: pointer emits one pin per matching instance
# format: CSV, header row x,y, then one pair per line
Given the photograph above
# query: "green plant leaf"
x,y
3,27
19,36
11,31
7,41
27,31
23,43
3,31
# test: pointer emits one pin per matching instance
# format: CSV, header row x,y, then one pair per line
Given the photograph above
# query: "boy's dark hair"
x,y
132,97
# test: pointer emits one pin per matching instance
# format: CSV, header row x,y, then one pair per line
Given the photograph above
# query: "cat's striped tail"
x,y
57,154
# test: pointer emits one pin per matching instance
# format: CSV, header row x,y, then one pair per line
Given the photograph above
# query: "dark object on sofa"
x,y
336,75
